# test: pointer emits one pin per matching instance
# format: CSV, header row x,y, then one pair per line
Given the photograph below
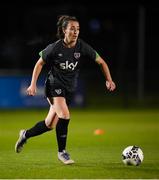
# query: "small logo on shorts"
x,y
58,91
60,54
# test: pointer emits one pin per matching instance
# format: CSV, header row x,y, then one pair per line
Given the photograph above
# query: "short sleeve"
x,y
47,53
88,51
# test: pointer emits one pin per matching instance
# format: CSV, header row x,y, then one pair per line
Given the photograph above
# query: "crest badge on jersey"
x,y
77,55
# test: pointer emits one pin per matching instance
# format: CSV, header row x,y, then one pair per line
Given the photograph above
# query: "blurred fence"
x,y
91,91
13,93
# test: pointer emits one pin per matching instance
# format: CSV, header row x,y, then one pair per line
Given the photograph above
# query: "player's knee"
x,y
48,124
64,115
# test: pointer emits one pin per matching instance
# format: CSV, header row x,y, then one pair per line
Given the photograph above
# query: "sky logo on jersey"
x,y
68,65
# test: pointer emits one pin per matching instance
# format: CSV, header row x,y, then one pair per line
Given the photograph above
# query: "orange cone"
x,y
99,132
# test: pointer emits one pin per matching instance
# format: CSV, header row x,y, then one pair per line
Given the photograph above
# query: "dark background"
x,y
124,34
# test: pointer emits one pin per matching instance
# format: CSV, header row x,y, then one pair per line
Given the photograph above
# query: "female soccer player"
x,y
63,57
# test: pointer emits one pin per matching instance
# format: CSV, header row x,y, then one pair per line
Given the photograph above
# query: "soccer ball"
x,y
132,155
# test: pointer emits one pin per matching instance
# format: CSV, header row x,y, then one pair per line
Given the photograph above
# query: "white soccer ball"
x,y
132,155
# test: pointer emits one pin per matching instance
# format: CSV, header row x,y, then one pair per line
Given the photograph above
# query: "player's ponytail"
x,y
62,23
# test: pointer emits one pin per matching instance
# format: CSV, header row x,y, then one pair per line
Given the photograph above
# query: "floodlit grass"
x,y
96,157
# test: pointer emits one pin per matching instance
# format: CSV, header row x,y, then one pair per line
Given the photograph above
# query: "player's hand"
x,y
31,91
110,85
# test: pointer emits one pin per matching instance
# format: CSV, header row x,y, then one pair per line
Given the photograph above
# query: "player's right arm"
x,y
31,90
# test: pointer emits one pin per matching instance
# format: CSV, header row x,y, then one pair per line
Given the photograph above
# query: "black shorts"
x,y
54,90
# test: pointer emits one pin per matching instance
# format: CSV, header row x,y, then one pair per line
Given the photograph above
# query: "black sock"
x,y
61,133
36,130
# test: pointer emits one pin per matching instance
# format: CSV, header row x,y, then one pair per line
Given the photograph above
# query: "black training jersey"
x,y
64,62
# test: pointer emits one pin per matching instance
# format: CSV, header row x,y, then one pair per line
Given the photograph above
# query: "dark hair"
x,y
62,23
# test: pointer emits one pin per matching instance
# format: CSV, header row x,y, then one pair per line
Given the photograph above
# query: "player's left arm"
x,y
110,85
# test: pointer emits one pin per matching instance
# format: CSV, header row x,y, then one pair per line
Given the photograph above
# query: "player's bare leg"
x,y
52,118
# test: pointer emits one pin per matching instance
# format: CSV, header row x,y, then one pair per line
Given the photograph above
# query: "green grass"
x,y
97,157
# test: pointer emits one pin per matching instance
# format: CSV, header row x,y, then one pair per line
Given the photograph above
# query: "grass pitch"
x,y
96,157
